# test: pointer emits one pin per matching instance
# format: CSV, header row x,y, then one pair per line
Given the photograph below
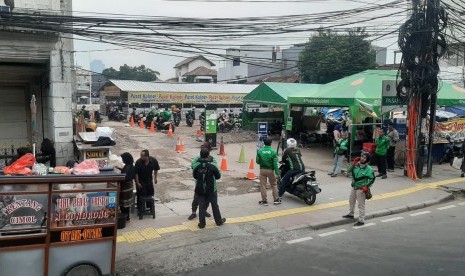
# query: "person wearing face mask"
x,y
362,179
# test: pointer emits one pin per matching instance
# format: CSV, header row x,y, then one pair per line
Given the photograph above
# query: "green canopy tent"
x,y
451,95
276,94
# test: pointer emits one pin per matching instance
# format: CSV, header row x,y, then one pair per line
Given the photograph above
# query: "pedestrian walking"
x,y
127,187
362,179
267,158
206,175
195,164
382,144
393,136
146,168
340,151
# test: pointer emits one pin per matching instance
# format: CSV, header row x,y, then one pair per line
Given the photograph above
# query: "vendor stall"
x,y
58,224
274,96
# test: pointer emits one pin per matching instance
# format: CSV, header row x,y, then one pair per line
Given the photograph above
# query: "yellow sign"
x,y
181,97
455,129
96,154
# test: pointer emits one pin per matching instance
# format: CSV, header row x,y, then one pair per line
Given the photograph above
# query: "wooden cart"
x,y
58,225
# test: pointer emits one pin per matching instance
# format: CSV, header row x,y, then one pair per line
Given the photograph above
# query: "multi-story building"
x,y
36,63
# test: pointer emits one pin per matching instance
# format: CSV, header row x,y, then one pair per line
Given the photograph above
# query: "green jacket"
x,y
382,144
342,145
361,176
195,163
166,115
267,158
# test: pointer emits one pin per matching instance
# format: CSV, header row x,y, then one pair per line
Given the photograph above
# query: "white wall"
x,y
38,4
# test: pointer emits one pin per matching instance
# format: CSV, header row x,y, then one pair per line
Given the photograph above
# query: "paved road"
x,y
425,242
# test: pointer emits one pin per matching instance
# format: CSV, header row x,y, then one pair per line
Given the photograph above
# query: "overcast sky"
x,y
164,64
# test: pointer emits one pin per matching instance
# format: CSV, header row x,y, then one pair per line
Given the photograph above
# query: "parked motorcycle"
x,y
177,118
202,119
303,185
224,125
189,118
116,115
453,149
164,125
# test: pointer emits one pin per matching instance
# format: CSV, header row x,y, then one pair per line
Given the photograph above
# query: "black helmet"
x,y
367,156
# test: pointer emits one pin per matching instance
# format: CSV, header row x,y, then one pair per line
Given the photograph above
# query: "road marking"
x,y
137,236
392,219
365,225
332,233
420,213
299,240
446,207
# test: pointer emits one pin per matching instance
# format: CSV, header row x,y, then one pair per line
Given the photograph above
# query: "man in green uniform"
x,y
340,151
382,144
362,179
166,115
267,158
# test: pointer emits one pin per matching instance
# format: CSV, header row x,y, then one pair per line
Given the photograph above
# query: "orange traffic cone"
x,y
182,147
224,164
170,131
222,152
198,133
178,143
152,126
141,123
251,173
131,122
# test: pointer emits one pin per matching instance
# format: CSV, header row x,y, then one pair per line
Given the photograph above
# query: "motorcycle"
x,y
224,125
189,119
98,117
116,115
164,125
237,123
177,118
453,149
202,119
303,185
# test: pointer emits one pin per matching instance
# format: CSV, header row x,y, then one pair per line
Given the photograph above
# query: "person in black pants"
x,y
126,188
206,175
146,168
195,163
393,136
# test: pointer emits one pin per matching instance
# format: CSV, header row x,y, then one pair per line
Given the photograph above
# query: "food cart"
x,y
85,150
58,224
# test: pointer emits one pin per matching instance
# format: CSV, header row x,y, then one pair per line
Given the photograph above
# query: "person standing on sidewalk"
x,y
195,164
382,144
267,158
206,175
146,168
393,136
340,151
362,179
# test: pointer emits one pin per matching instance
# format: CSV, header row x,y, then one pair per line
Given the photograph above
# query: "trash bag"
x,y
22,166
457,163
86,167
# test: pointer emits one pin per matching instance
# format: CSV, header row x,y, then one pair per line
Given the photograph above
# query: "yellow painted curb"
x,y
152,233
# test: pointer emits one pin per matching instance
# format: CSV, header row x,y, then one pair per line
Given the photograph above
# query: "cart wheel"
x,y
83,269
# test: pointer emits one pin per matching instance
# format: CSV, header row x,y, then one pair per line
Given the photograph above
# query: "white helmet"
x,y
291,143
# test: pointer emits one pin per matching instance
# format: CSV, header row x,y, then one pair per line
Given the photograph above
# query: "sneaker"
x,y
330,173
223,220
384,177
201,226
192,216
207,214
277,201
359,223
263,202
462,175
348,216
334,175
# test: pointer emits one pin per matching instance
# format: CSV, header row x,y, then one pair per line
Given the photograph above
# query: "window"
x,y
236,61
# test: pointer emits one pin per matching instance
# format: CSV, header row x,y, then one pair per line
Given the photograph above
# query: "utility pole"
x,y
422,42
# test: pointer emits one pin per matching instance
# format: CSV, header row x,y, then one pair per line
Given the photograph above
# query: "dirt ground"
x,y
175,179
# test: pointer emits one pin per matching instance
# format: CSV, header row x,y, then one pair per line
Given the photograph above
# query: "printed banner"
x,y
77,209
454,128
181,97
22,211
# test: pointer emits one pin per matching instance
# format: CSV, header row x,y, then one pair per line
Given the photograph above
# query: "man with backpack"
x,y
206,175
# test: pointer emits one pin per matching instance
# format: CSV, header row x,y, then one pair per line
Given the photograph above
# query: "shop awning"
x,y
276,93
451,95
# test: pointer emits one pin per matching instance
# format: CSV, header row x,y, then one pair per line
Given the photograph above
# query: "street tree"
x,y
329,56
138,73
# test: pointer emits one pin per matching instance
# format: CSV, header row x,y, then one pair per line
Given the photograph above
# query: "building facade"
x,y
40,64
190,64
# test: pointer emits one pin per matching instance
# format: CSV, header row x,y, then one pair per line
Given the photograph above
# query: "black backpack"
x,y
201,181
